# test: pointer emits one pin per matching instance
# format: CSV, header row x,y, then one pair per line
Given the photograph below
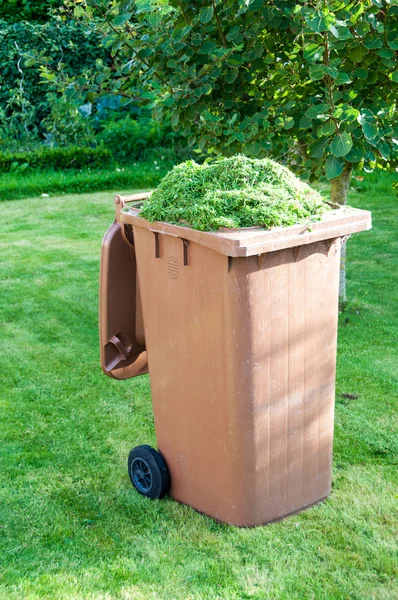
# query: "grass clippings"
x,y
232,193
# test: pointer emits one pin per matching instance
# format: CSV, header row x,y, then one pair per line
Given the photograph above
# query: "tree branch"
x,y
184,13
328,79
220,31
133,50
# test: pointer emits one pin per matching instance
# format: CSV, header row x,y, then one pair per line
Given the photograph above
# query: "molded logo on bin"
x,y
173,267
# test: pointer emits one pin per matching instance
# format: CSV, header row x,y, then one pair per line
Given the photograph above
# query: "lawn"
x,y
71,526
17,185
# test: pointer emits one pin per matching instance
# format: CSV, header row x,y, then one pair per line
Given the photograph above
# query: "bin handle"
x,y
125,352
122,201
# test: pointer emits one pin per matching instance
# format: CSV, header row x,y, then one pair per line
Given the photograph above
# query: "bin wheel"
x,y
148,472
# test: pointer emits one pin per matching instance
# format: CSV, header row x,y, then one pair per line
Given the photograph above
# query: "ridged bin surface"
x,y
242,370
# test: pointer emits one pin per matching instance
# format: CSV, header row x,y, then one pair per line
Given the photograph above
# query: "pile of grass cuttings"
x,y
233,192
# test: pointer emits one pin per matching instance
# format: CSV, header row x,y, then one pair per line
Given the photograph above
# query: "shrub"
x,y
73,157
27,10
66,125
72,47
143,139
127,138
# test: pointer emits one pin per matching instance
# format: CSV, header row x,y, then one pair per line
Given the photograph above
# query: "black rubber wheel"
x,y
148,472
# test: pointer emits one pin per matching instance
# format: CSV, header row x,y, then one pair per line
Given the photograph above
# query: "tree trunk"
x,y
338,195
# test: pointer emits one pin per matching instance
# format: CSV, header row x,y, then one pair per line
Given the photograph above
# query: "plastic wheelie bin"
x,y
238,330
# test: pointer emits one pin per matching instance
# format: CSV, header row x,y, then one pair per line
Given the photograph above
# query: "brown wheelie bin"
x,y
238,330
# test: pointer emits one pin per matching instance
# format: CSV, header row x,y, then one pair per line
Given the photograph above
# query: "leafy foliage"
x,y
73,157
67,124
233,192
258,77
70,47
130,139
27,10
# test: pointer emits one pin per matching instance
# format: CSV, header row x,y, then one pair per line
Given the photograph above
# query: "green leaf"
x,y
289,123
231,75
333,30
78,11
367,114
316,21
384,149
357,54
385,53
179,33
328,128
319,110
332,71
373,76
234,34
253,148
394,76
362,28
121,19
360,73
356,154
333,167
317,148
369,126
305,123
175,118
316,72
155,19
393,42
143,5
345,33
235,60
206,14
312,53
349,113
341,144
207,47
342,78
190,113
207,89
373,42
370,130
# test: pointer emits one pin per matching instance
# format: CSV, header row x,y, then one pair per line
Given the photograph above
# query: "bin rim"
x,y
251,241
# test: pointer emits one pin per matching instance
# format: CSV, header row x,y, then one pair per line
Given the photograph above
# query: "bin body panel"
x,y
241,356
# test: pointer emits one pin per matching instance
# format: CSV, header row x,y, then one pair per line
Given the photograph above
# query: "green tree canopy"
x,y
261,77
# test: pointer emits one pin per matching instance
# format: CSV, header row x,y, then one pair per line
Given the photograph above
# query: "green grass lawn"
x,y
71,526
30,183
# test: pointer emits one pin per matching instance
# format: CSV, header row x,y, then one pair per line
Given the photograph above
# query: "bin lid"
x,y
250,241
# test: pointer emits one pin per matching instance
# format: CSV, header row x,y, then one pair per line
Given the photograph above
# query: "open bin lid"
x,y
122,338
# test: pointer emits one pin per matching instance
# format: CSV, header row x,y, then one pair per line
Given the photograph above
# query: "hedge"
x,y
72,157
27,10
73,44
